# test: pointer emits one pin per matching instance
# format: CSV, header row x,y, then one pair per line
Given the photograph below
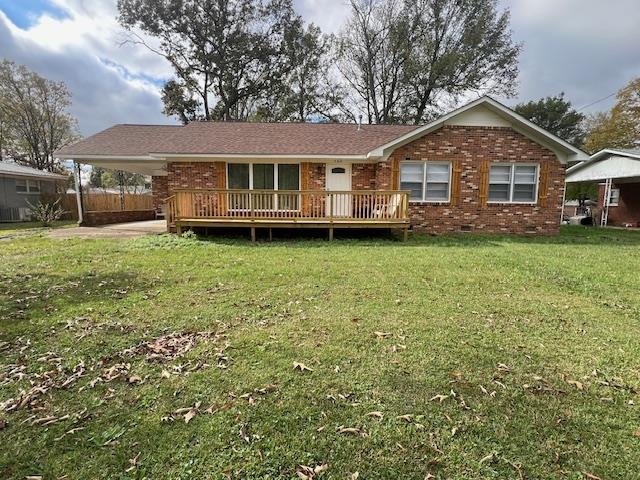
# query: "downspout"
x,y
78,184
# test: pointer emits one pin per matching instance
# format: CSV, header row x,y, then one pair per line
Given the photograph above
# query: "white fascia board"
x,y
53,177
249,157
565,151
80,158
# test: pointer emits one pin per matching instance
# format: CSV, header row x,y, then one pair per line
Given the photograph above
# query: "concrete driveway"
x,y
117,230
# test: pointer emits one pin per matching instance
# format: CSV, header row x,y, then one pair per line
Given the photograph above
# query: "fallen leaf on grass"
x,y
133,462
302,367
377,415
576,384
382,334
33,477
165,374
244,433
308,473
355,476
135,379
406,418
439,398
637,434
351,431
3,424
591,476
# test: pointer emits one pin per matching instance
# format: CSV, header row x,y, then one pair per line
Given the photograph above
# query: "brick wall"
x,y
94,219
196,175
159,190
472,146
628,210
363,176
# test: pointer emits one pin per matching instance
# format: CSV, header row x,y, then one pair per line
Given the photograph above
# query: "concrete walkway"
x,y
118,230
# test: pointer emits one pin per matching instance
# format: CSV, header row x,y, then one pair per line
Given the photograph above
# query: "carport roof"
x,y
606,164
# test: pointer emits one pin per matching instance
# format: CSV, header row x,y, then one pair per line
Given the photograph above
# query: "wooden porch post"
x,y
78,184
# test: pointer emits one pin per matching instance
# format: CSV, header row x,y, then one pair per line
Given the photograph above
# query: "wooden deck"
x,y
288,209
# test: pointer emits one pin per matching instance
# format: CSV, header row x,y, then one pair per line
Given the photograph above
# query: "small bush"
x,y
190,235
47,213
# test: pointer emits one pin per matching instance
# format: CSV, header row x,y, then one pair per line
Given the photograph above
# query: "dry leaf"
x,y
244,433
637,434
302,367
355,476
439,398
165,374
406,418
3,424
577,384
33,477
351,431
591,476
378,415
382,334
135,379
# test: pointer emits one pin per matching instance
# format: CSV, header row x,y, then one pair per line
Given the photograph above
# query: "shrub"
x,y
47,213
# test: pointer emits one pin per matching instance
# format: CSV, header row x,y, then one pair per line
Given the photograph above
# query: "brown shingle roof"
x,y
238,139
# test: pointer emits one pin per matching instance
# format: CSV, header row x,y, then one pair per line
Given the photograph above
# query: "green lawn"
x,y
20,228
453,357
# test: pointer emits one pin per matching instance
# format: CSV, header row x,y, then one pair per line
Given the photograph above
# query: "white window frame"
x,y
276,206
29,187
512,182
611,202
424,164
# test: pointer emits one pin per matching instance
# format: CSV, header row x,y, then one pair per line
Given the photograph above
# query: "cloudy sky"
x,y
586,48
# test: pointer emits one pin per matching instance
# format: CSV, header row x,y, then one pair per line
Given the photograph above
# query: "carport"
x,y
617,171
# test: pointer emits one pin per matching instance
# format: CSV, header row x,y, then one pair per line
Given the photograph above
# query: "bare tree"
x,y
401,56
34,117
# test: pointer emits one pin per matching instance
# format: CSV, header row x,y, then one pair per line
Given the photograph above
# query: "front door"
x,y
339,180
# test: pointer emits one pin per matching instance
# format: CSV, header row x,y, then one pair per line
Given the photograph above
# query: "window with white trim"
x,y
513,183
27,186
614,198
265,176
427,181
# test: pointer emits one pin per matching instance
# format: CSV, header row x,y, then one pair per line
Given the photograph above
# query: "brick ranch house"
x,y
479,168
617,173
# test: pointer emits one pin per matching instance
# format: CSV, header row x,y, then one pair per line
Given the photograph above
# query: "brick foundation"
x,y
94,219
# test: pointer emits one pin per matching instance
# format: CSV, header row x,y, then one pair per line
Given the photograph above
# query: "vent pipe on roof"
x,y
360,122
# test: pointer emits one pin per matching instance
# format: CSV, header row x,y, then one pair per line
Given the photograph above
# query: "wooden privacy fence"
x,y
104,202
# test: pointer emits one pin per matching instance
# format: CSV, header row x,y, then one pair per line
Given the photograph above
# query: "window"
x,y
265,176
427,181
614,198
511,183
27,186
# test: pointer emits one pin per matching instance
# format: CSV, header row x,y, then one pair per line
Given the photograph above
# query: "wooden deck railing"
x,y
360,206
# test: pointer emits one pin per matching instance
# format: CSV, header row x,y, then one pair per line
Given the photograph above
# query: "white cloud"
x,y
109,82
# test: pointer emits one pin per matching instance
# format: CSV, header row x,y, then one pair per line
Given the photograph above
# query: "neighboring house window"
x,y
27,186
512,183
427,181
614,198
